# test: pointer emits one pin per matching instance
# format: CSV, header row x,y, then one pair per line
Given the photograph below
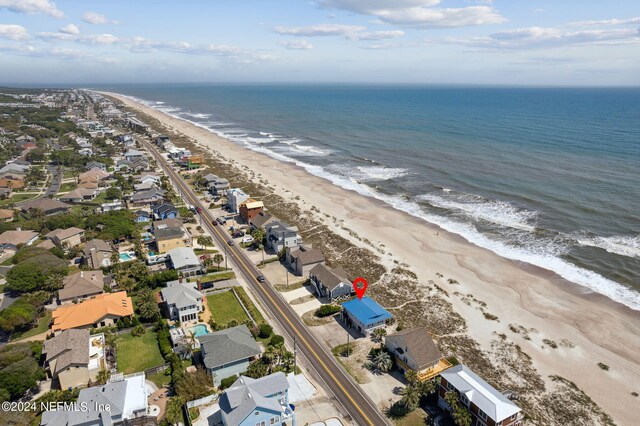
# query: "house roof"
x,y
308,256
482,394
6,214
228,345
17,237
261,219
81,284
45,204
171,222
164,208
97,245
366,310
92,310
418,345
71,347
247,395
93,174
63,234
79,193
253,204
180,294
143,195
46,244
280,226
330,278
88,185
182,257
168,233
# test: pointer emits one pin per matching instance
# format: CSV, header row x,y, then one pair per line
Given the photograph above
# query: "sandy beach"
x,y
588,328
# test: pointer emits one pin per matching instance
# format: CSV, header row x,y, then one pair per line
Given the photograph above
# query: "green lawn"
x,y
138,353
15,198
255,313
66,187
224,307
43,325
162,378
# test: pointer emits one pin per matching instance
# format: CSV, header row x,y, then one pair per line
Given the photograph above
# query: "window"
x,y
513,417
262,423
482,414
450,386
274,420
464,400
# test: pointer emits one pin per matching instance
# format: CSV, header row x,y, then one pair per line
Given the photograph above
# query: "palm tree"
x,y
147,305
410,397
217,258
382,362
462,417
452,399
378,334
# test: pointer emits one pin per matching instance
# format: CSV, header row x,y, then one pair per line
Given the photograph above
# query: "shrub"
x,y
276,340
265,331
138,330
232,323
603,366
213,325
227,382
327,310
135,321
126,322
119,324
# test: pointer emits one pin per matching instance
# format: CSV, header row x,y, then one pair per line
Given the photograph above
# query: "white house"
x,y
235,197
183,301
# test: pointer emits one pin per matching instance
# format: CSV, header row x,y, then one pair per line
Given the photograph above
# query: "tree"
x,y
217,258
381,362
113,193
204,241
18,315
19,369
174,410
378,334
410,397
103,376
147,305
265,331
29,274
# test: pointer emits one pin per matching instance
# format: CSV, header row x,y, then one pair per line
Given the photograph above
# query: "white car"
x,y
248,239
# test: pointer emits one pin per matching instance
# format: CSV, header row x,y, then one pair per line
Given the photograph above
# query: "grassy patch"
x,y
310,319
66,187
303,299
43,325
255,313
290,287
218,276
224,307
16,198
414,418
204,251
138,353
161,379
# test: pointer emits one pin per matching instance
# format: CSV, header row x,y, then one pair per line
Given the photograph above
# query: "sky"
x,y
500,42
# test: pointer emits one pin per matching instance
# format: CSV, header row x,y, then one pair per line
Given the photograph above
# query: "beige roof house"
x,y
97,253
302,259
69,237
47,205
81,285
6,215
415,350
18,237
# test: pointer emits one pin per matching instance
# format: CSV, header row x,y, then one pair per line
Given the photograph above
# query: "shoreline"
x,y
516,292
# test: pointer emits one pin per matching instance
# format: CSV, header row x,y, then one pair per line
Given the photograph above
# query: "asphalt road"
x,y
361,409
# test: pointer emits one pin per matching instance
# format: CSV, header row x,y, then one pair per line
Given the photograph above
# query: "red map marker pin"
x,y
360,287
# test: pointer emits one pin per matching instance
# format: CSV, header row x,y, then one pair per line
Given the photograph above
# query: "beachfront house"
x,y
486,404
74,358
168,239
263,401
414,350
81,285
97,254
185,261
330,283
181,301
302,259
281,235
261,220
228,352
250,209
235,197
127,399
216,185
365,315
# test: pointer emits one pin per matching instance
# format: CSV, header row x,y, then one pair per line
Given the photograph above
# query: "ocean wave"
x,y
374,173
477,208
622,245
259,140
196,115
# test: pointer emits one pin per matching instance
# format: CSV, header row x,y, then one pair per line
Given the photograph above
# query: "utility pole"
x,y
225,257
295,355
347,343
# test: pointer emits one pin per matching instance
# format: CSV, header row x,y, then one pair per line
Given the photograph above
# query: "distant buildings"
x,y
365,315
486,404
183,301
251,402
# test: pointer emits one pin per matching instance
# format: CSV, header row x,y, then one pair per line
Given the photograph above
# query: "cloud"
x,y
608,22
32,7
541,37
69,29
296,45
29,50
376,35
13,32
320,30
419,13
96,18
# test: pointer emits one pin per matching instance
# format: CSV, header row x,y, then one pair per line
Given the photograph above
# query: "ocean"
x,y
548,176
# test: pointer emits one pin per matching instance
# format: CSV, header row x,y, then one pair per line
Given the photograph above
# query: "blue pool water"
x,y
199,330
125,256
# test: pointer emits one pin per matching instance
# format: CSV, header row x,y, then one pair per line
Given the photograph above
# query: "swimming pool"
x,y
125,256
199,330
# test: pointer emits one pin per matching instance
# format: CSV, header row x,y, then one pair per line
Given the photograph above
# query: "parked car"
x,y
247,240
198,210
221,221
260,278
238,234
230,242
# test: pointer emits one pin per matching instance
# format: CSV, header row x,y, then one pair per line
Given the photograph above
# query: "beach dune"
x,y
588,328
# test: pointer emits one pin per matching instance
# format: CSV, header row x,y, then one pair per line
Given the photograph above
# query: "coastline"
x,y
516,293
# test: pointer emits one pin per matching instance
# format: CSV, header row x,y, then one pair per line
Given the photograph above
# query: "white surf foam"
x,y
622,245
372,173
477,208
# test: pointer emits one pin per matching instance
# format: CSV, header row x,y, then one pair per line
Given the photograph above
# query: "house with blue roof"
x,y
365,315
